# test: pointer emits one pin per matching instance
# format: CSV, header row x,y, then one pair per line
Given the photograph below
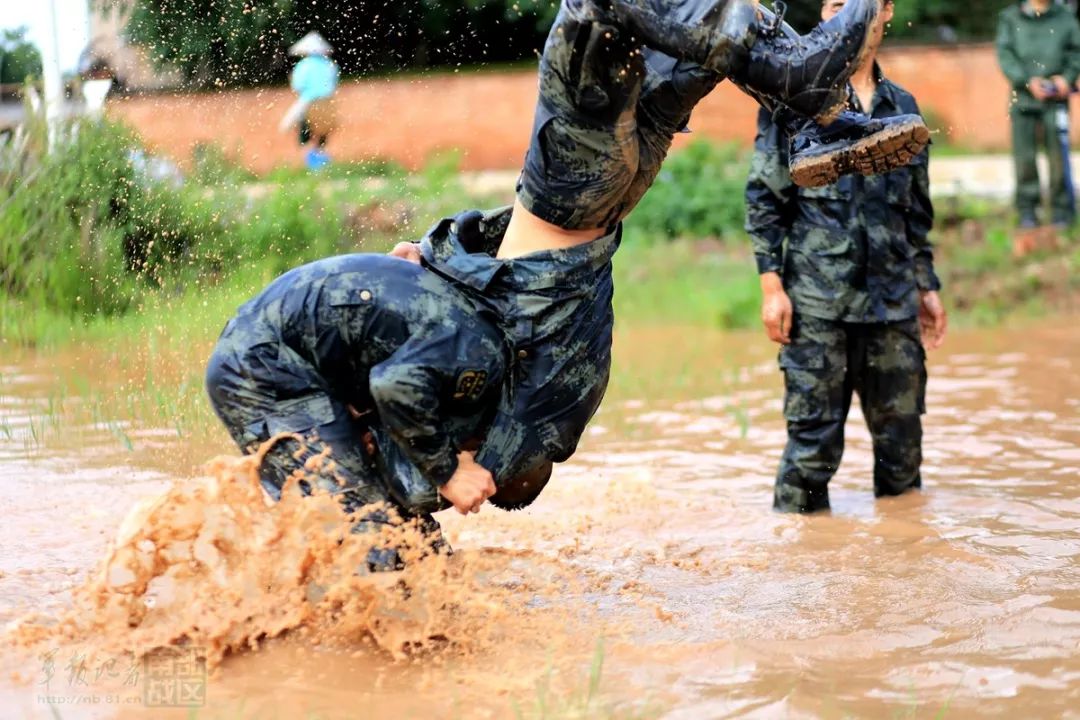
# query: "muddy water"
x,y
656,541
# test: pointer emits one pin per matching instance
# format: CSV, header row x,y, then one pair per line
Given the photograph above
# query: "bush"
x,y
61,246
91,227
699,193
19,60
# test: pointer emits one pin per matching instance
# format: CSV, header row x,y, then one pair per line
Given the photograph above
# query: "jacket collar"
x,y
885,92
463,248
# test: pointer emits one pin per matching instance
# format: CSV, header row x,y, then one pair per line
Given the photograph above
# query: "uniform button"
x,y
523,354
365,295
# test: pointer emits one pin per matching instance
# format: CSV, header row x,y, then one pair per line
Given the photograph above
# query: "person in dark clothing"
x,y
355,346
847,276
1038,47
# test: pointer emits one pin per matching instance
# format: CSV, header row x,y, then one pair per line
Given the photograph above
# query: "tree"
x,y
244,42
19,60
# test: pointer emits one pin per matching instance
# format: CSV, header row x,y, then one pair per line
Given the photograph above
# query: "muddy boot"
x,y
710,33
428,539
791,499
806,73
854,143
749,44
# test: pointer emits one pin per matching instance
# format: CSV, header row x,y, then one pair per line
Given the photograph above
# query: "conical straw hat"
x,y
311,44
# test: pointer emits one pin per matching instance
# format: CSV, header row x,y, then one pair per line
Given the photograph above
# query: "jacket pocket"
x,y
810,392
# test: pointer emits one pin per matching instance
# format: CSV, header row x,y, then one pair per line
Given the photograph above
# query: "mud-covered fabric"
x,y
606,115
828,360
856,250
380,334
554,308
252,416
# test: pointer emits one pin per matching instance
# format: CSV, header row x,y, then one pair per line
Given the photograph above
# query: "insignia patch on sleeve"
x,y
470,385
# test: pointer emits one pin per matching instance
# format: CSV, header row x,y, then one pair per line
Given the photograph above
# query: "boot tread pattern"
x,y
880,153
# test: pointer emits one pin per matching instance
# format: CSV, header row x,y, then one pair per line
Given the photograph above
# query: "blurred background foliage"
x,y
19,60
226,43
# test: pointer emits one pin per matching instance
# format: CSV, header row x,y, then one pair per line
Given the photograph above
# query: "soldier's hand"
x,y
1037,87
932,320
1062,85
470,485
775,309
407,251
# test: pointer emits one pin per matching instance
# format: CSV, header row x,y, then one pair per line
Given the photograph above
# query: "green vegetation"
x,y
924,20
585,703
96,230
19,60
97,239
224,43
698,194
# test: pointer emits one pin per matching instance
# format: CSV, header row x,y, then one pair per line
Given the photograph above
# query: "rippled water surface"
x,y
959,601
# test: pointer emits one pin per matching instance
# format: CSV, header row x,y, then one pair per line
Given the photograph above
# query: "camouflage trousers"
x,y
604,122
245,378
825,363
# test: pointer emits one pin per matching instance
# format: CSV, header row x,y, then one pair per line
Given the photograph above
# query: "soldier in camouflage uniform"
x,y
363,345
845,297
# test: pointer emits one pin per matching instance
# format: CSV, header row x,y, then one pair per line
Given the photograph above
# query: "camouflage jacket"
x,y
382,334
554,308
855,251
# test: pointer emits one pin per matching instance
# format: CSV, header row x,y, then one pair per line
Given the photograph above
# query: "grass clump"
x,y
96,230
699,194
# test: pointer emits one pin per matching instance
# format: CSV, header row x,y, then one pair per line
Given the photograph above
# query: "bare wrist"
x,y
771,283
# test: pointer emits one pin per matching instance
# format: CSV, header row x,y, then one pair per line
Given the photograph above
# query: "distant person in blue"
x,y
314,80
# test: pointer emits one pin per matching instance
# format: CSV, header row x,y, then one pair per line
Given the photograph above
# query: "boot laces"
x,y
773,26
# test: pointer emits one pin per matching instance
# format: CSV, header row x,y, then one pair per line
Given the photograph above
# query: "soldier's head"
x,y
829,8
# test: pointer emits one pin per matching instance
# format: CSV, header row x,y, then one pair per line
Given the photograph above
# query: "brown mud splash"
x,y
214,564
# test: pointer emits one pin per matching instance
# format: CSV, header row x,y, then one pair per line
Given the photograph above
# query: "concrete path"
x,y
981,176
984,176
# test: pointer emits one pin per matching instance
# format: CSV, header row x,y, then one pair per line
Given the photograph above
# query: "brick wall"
x,y
487,115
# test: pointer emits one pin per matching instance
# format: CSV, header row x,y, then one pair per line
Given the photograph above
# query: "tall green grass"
x,y
90,232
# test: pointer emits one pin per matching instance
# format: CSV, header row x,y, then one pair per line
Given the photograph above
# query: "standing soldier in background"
x,y
846,299
1038,46
314,114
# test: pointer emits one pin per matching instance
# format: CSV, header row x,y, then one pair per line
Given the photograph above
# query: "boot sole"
x,y
881,152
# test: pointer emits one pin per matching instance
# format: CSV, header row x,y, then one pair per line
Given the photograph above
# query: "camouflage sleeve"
x,y
920,220
410,387
770,195
1008,58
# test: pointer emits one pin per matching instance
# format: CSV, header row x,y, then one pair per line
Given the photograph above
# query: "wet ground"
x,y
651,579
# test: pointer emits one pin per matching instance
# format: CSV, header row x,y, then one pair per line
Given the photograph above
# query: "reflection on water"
x,y
959,601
